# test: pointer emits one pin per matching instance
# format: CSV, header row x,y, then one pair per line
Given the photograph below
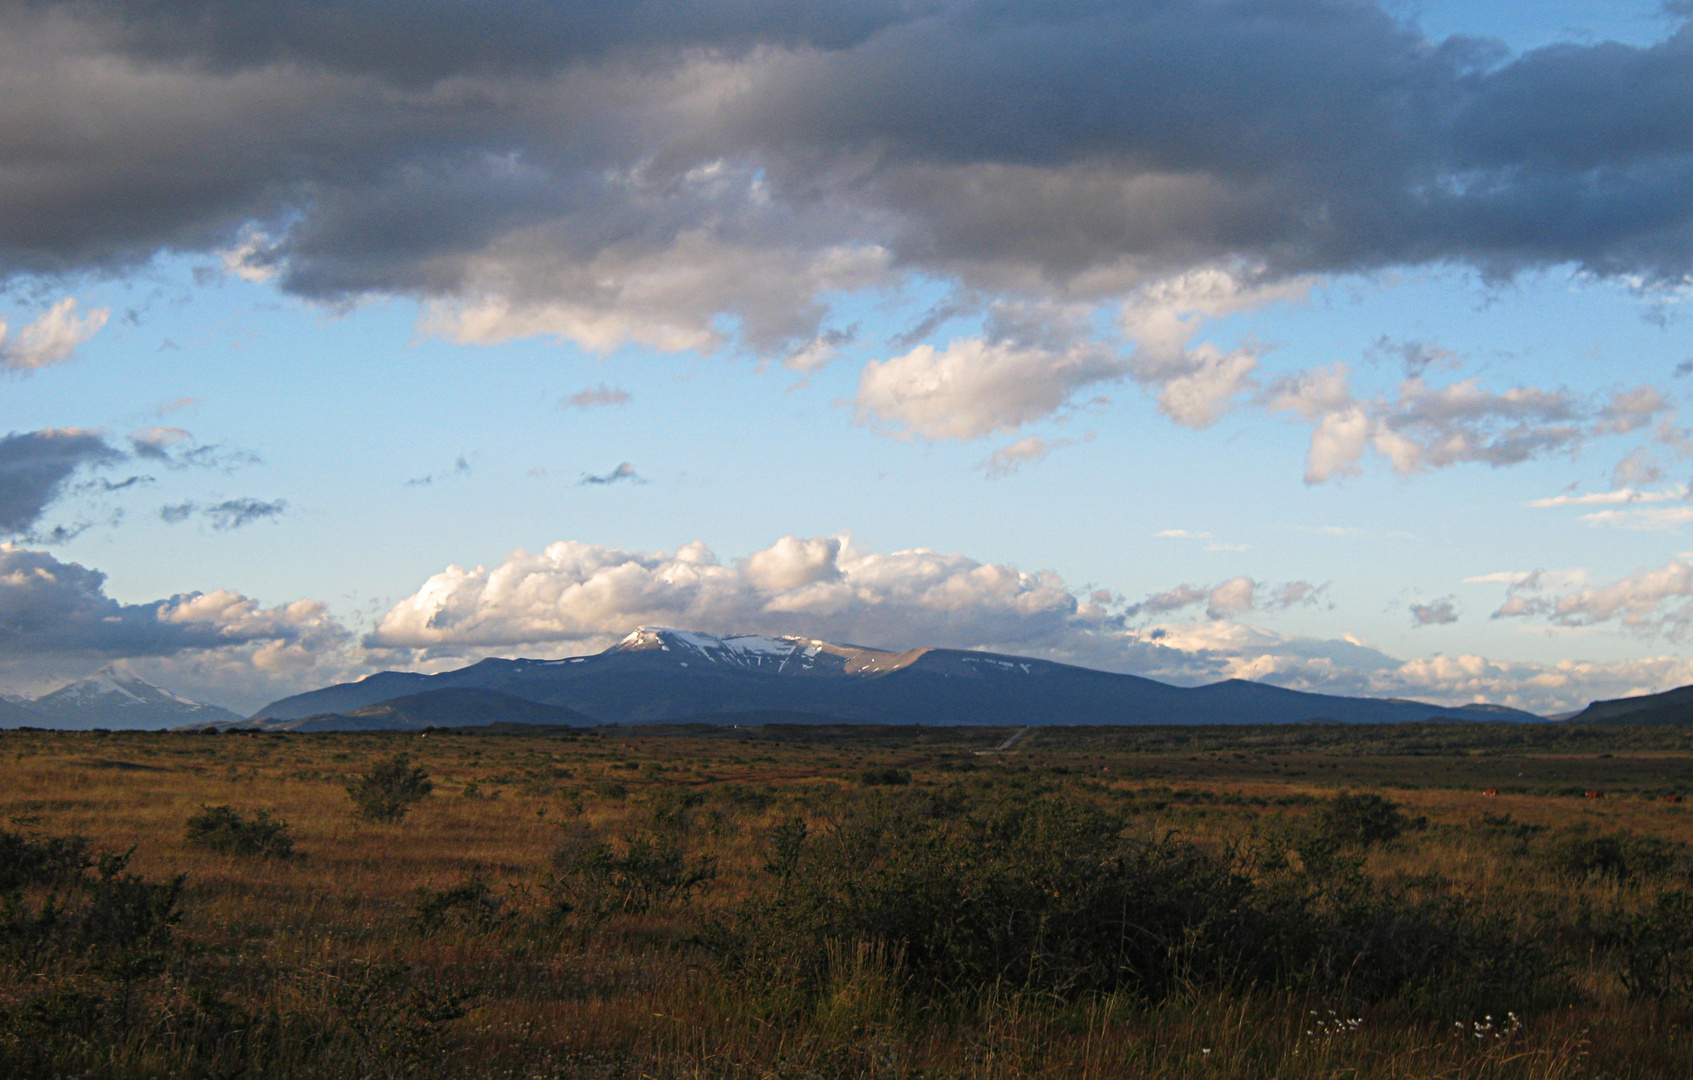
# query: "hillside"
x,y
1670,707
445,707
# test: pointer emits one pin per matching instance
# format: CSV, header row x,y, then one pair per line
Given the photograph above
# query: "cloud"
x,y
980,386
253,258
624,471
594,397
574,598
1651,519
52,337
1656,602
1609,498
1424,426
1636,468
1414,357
36,467
724,175
217,645
175,405
1195,384
1211,544
227,515
1029,450
155,443
1233,597
52,607
461,467
574,593
177,449
1439,612
816,354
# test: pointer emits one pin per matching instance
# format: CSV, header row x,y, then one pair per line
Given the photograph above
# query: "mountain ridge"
x,y
1669,707
111,699
660,674
445,707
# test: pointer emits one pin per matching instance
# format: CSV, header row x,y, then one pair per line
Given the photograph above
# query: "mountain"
x,y
111,699
1670,707
659,674
444,707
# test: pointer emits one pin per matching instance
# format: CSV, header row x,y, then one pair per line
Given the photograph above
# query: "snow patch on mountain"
x,y
114,698
741,650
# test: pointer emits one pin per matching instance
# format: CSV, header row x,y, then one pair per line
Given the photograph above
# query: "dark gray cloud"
x,y
226,515
624,471
234,513
176,449
1437,612
615,171
36,468
53,607
595,396
461,467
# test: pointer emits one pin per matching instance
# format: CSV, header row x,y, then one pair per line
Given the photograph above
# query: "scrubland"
x,y
1293,902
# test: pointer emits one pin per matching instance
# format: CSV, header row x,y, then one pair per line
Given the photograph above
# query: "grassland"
x,y
864,902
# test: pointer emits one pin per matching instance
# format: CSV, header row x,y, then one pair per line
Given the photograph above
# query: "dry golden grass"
x,y
632,997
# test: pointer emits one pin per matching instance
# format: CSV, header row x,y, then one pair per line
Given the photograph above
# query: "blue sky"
x,y
1278,404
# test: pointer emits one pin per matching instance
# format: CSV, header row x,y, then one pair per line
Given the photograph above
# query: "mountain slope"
x,y
658,674
113,699
440,708
1670,707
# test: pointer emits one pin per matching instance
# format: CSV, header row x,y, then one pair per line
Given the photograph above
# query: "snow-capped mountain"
x,y
114,699
662,674
754,652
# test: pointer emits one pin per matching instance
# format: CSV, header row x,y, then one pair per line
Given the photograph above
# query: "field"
x,y
1288,902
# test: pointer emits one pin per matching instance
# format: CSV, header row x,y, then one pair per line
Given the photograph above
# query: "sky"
x,y
1344,346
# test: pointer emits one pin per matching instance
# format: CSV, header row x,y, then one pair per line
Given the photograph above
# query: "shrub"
x,y
399,1021
1620,856
1051,897
596,880
389,789
470,901
888,777
1361,820
222,828
50,860
1657,948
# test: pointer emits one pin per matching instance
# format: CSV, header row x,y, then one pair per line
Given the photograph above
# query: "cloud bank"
x,y
719,173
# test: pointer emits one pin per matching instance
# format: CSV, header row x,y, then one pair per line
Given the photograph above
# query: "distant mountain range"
x,y
657,674
110,699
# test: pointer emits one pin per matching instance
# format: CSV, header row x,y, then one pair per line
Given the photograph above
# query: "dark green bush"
x,y
594,880
471,902
888,777
1657,948
1361,820
389,789
49,860
1052,897
1620,856
398,1019
222,828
